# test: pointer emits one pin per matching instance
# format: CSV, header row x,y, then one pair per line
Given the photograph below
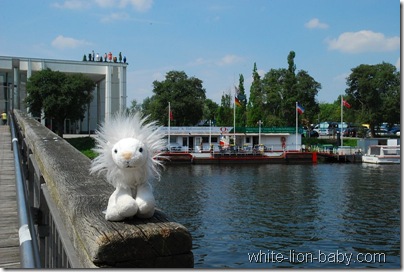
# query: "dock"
x,y
9,240
240,157
276,157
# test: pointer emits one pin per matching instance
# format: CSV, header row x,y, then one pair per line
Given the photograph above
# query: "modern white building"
x,y
109,93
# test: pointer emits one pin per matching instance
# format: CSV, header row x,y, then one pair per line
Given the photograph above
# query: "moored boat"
x,y
382,154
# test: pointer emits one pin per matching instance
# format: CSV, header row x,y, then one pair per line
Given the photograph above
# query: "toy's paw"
x,y
113,216
121,205
126,206
121,210
146,209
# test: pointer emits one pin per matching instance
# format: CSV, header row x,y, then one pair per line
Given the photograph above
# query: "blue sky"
x,y
214,41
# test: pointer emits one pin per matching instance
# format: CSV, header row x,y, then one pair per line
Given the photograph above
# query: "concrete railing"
x,y
72,230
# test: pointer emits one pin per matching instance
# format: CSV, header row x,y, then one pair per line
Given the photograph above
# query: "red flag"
x,y
171,116
299,108
345,103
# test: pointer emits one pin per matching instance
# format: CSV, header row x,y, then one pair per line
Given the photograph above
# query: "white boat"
x,y
382,154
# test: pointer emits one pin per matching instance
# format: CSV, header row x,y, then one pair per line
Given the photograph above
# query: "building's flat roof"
x,y
96,70
206,131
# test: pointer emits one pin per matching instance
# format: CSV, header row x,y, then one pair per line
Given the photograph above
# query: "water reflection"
x,y
236,209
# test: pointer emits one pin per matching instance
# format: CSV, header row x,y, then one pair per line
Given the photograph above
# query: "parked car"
x,y
351,131
338,130
378,132
314,134
394,130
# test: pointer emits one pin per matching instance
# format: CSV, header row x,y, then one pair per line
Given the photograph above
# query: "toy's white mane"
x,y
122,126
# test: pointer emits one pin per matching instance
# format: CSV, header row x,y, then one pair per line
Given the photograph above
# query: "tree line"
x,y
373,91
272,99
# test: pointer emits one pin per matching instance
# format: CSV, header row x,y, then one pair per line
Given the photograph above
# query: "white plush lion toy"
x,y
129,149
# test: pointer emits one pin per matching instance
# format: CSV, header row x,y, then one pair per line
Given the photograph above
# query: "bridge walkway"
x,y
9,240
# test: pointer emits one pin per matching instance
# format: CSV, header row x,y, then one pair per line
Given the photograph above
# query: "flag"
x,y
237,102
171,116
299,108
345,103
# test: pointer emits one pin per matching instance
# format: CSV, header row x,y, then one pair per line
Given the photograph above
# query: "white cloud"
x,y
62,42
363,41
199,61
249,80
229,59
105,3
116,16
139,5
159,76
398,63
225,60
73,4
261,73
341,78
315,23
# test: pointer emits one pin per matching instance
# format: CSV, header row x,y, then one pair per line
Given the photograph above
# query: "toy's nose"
x,y
127,155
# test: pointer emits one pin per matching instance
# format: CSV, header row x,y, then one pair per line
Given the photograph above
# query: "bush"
x,y
84,145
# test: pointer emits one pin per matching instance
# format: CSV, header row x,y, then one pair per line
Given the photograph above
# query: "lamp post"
x,y
259,131
210,133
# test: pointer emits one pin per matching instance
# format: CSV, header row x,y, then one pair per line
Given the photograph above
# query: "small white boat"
x,y
382,154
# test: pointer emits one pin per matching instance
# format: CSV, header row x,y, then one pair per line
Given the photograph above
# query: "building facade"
x,y
109,93
202,139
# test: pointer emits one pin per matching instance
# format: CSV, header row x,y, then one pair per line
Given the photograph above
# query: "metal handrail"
x,y
29,250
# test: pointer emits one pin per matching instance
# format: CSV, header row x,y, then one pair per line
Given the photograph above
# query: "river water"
x,y
267,216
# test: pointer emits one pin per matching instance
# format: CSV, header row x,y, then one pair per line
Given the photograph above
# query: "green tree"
x,y
225,111
59,95
274,86
241,111
210,109
374,93
329,112
134,107
282,88
307,89
150,107
187,97
290,95
256,102
332,112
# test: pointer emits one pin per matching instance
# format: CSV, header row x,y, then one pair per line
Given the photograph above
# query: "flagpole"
x,y
169,124
342,122
234,118
296,125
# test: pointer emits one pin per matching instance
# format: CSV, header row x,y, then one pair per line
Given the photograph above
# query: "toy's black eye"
x,y
115,151
140,150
